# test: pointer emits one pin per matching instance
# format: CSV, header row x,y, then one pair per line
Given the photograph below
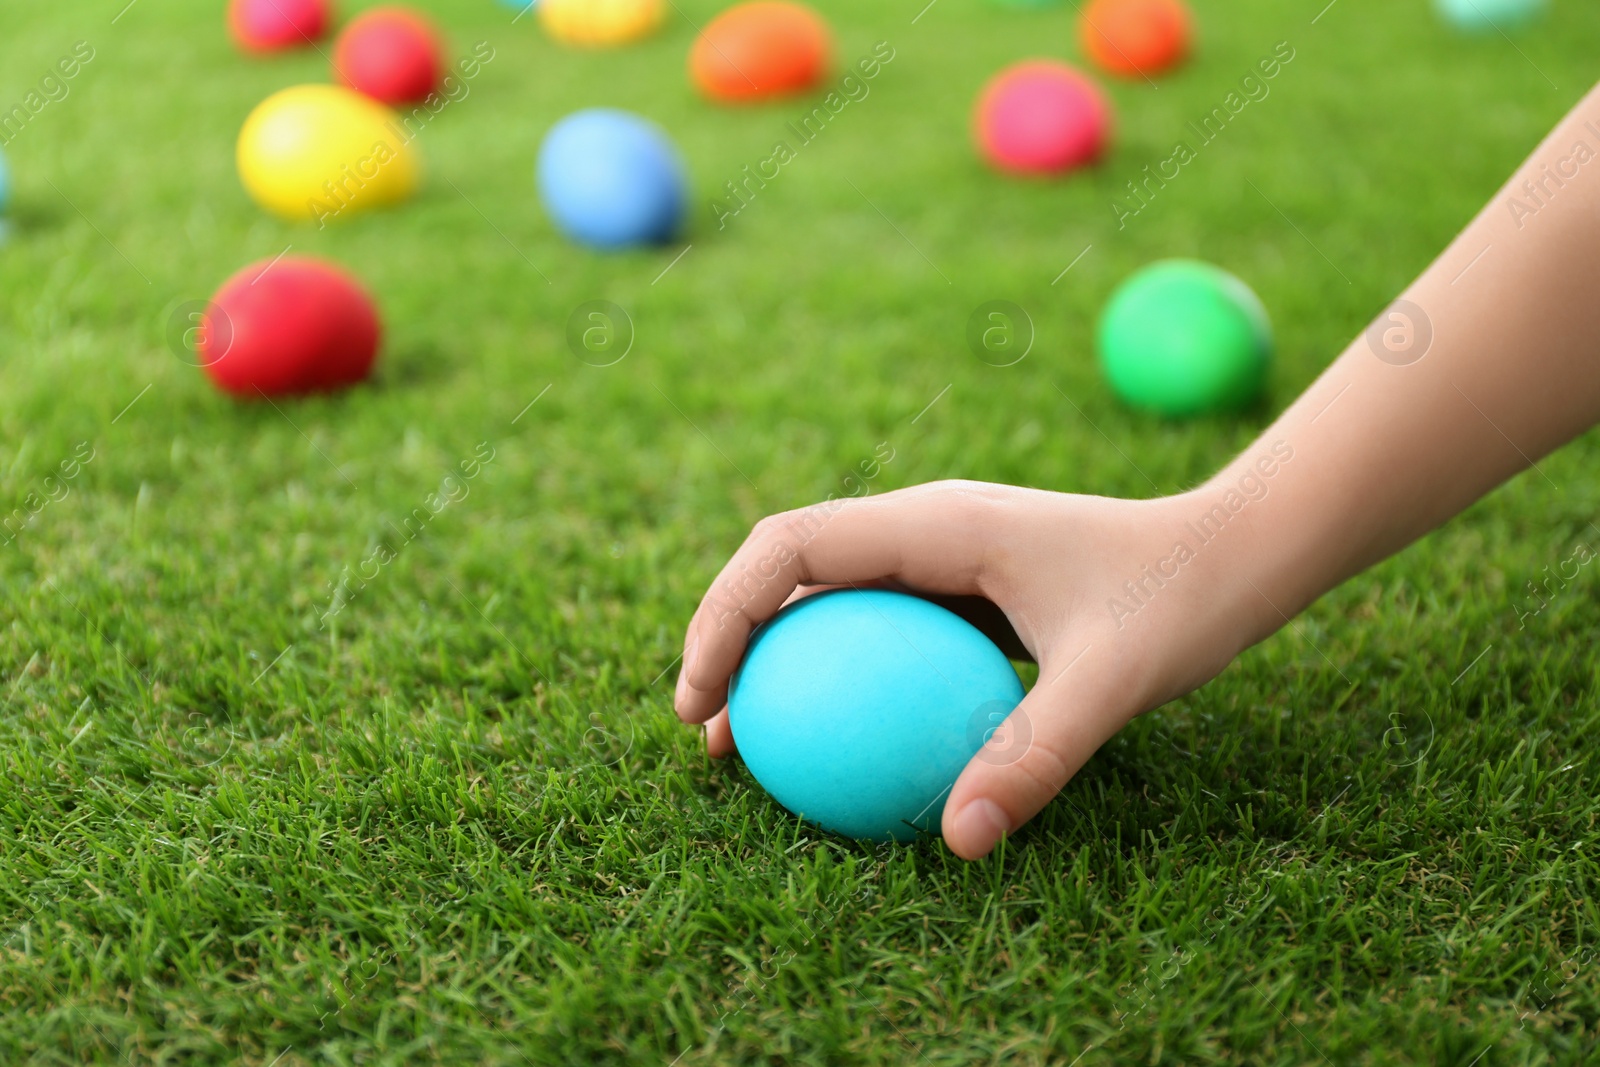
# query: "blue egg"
x,y
1481,15
612,179
517,5
858,708
5,185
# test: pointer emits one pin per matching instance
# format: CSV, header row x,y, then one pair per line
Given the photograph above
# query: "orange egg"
x,y
1136,38
762,49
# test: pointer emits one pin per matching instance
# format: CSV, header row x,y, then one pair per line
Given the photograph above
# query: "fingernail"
x,y
683,676
690,654
979,826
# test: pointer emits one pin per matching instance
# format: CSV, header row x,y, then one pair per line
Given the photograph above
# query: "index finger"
x,y
920,537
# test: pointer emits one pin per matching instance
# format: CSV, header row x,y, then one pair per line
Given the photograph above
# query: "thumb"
x,y
1025,762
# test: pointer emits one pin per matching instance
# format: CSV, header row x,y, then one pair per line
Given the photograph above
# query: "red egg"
x,y
1041,117
274,25
391,54
295,325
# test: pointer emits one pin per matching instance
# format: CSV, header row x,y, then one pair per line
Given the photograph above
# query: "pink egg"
x,y
274,25
1041,117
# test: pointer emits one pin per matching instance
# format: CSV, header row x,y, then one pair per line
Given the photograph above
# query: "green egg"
x,y
1181,337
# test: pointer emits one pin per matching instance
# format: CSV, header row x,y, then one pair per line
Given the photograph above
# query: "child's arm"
x,y
1128,604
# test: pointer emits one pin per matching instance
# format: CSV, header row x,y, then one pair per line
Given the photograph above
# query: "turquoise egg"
x,y
857,709
5,185
1478,16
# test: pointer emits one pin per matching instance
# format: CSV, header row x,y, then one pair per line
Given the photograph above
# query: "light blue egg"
x,y
612,179
1484,15
858,709
517,5
5,185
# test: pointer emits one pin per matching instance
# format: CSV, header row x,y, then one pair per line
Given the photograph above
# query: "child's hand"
x,y
1053,563
1494,368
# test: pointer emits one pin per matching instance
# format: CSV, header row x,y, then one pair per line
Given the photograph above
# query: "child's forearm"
x,y
1399,434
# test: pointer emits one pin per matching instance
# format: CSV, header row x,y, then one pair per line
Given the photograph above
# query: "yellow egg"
x,y
598,23
320,152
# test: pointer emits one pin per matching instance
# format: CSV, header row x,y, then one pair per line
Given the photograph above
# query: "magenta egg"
x,y
1041,117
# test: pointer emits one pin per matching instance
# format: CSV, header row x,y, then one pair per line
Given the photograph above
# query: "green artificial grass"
x,y
456,822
